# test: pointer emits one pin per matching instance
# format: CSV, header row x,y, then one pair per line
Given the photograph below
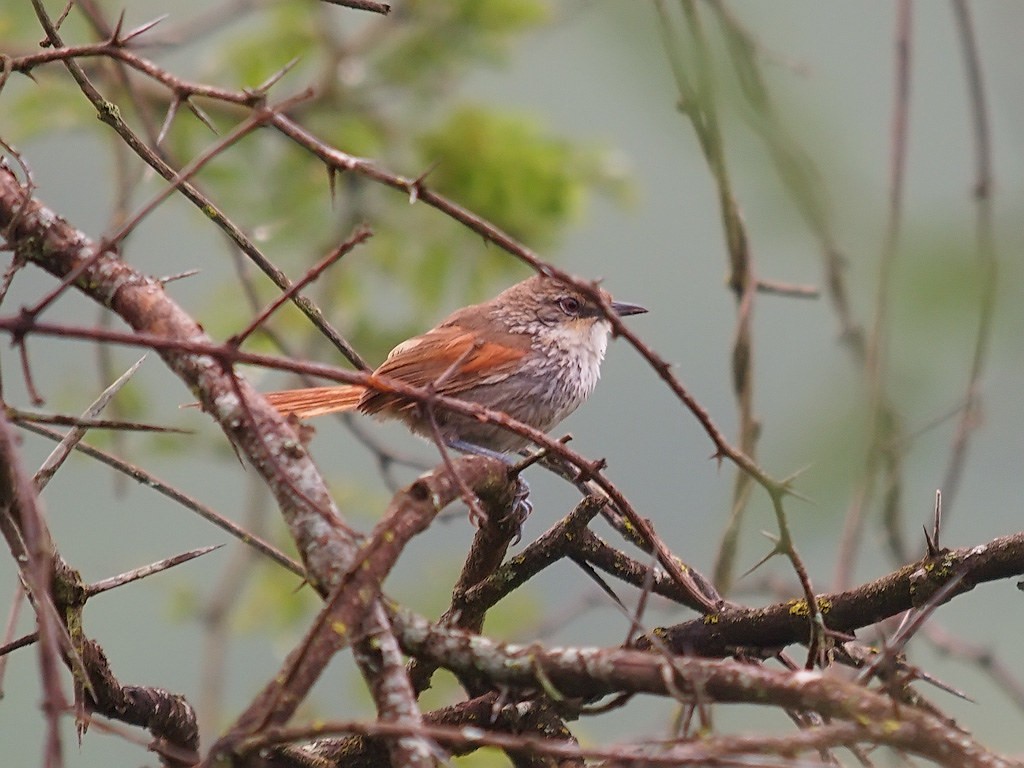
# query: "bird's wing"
x,y
449,357
452,359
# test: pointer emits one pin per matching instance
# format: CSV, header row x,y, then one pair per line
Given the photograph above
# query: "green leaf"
x,y
506,169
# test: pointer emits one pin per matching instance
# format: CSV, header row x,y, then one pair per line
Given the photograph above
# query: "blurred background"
x,y
558,122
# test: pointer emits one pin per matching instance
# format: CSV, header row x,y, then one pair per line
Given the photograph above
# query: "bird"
x,y
534,352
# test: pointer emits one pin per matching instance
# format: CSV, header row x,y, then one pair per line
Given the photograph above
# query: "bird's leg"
x,y
521,506
477,450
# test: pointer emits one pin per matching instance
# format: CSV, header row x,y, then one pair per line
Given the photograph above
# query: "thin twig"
x,y
74,435
147,570
17,600
145,478
882,421
986,248
361,235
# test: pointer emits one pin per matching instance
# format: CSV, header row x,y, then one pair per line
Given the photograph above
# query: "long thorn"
x,y
147,570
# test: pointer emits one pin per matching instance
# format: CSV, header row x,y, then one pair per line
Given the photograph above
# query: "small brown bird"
x,y
534,351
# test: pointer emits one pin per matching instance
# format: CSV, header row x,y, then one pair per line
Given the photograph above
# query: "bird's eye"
x,y
570,305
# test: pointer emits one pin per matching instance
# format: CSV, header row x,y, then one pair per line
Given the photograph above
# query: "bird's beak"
x,y
625,309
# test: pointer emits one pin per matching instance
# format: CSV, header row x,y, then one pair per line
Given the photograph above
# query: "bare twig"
x,y
17,600
74,435
883,422
363,5
145,478
147,570
58,419
361,235
986,248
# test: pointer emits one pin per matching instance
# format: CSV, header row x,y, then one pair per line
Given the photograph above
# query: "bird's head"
x,y
559,314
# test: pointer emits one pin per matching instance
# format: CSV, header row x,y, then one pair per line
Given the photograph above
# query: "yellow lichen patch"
x,y
941,570
891,726
798,608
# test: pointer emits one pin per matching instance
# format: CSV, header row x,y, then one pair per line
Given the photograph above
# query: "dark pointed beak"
x,y
625,309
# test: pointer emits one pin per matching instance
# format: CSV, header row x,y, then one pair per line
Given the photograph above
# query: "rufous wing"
x,y
315,401
450,358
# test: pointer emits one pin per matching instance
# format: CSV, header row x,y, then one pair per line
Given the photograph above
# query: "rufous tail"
x,y
315,401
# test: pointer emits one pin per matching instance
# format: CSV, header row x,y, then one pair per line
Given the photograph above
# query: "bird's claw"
x,y
521,507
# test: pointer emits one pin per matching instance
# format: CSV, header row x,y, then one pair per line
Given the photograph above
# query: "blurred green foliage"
x,y
384,88
530,193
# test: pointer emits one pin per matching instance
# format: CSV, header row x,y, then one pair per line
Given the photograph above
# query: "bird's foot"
x,y
521,507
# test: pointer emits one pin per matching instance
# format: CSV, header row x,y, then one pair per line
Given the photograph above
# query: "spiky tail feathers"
x,y
315,401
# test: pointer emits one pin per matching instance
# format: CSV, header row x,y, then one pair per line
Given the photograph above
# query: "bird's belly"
x,y
540,394
539,399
